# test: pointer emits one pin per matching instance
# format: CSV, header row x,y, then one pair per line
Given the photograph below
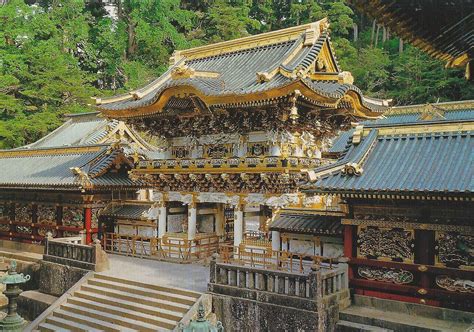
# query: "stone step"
x,y
111,318
415,309
134,314
89,321
345,326
67,325
131,305
172,290
399,321
146,300
142,291
46,327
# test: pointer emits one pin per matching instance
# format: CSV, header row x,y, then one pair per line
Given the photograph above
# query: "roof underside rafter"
x,y
444,29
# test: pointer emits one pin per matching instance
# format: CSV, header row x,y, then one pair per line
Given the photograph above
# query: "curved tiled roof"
x,y
435,162
308,224
80,129
70,168
127,210
405,156
260,66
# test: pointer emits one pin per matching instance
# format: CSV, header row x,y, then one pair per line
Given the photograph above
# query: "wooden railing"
x,y
267,258
256,239
168,247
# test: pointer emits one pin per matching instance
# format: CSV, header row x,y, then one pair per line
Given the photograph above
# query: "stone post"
x,y
192,216
316,292
276,241
162,220
220,220
49,237
238,225
213,267
101,258
83,235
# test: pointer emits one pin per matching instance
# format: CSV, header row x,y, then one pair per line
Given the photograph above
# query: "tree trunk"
x,y
400,46
356,31
384,34
377,35
131,39
119,9
372,34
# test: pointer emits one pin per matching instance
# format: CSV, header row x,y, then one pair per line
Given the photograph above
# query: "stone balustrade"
x,y
323,290
72,252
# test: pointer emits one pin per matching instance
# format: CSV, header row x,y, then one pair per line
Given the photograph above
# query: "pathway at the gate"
x,y
188,276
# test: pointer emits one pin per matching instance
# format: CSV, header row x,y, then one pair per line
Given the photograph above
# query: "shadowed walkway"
x,y
188,276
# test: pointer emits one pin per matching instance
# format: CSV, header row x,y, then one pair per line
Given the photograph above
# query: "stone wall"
x,y
32,303
240,314
55,279
254,299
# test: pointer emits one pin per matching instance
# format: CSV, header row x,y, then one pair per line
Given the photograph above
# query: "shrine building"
x,y
59,183
405,182
238,124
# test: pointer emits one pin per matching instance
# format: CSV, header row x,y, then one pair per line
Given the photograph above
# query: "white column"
x,y
238,225
192,213
276,240
220,219
162,221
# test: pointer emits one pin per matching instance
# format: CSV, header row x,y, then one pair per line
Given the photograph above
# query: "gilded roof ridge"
x,y
236,52
56,150
446,106
249,42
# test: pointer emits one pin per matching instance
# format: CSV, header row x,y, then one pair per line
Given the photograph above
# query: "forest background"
x,y
56,54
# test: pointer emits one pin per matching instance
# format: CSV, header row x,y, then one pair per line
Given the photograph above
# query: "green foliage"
x,y
56,54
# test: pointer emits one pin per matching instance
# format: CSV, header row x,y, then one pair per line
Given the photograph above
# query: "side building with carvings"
x,y
238,124
59,183
406,186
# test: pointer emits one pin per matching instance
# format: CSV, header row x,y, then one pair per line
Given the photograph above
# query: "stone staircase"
x,y
106,303
371,314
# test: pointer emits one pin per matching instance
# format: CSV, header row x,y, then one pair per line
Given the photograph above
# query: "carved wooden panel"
x,y
46,214
73,216
455,250
394,244
23,213
397,276
455,284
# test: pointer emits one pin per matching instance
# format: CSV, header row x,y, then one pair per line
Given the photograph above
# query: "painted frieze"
x,y
396,276
455,284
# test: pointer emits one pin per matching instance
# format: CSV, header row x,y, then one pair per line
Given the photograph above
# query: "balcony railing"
x,y
201,164
308,289
266,258
167,248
